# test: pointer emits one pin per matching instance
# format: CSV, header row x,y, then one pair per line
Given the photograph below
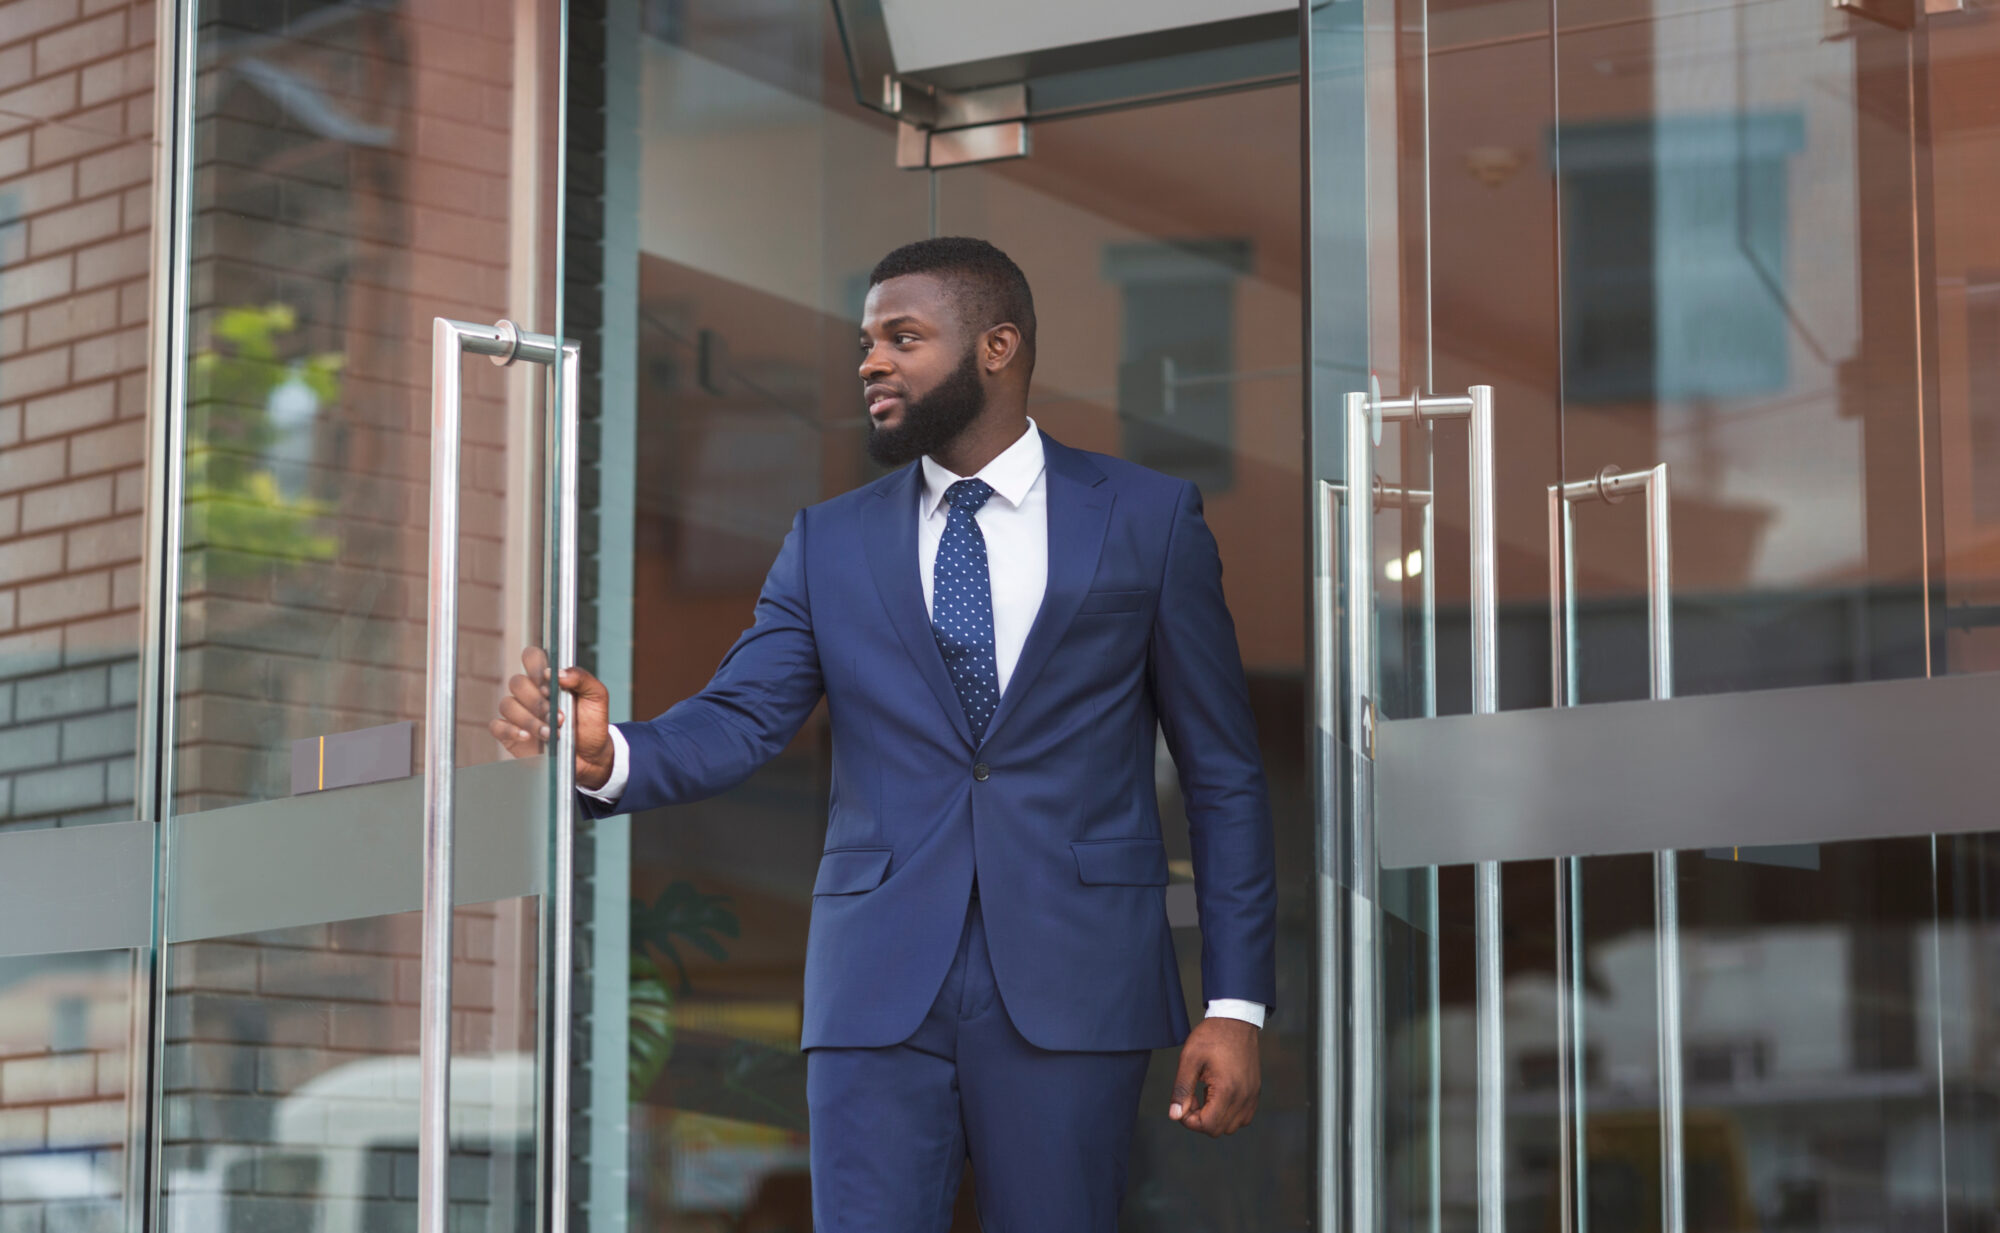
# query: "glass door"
x,y
1653,876
365,896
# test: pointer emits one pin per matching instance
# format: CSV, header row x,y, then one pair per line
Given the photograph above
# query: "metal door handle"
x,y
1349,927
451,341
1610,486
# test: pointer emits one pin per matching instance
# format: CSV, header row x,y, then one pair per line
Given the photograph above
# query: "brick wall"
x,y
76,162
63,1081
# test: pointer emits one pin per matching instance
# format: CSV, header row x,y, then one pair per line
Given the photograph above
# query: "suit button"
x,y
980,772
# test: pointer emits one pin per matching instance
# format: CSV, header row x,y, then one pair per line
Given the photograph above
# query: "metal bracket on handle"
x,y
1611,486
451,341
1350,1001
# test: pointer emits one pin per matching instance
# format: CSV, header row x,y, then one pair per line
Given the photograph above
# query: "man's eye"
x,y
905,338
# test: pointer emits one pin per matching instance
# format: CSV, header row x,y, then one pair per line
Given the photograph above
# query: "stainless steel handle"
x,y
1350,1084
451,341
1475,406
1610,486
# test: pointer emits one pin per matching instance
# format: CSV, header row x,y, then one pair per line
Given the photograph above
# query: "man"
x,y
998,628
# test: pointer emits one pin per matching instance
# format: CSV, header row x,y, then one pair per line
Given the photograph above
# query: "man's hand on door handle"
x,y
523,725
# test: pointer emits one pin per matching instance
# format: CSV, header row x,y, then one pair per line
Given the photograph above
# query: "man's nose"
x,y
874,364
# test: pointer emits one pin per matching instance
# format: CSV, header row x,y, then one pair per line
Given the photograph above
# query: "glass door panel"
x,y
77,100
1733,243
359,171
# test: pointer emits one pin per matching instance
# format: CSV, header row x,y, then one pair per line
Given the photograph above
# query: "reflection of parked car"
x,y
52,1176
337,1145
1624,1174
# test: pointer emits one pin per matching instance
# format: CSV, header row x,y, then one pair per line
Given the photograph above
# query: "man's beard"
x,y
932,422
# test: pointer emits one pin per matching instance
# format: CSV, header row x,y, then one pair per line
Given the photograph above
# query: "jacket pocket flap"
x,y
1121,862
1112,601
849,871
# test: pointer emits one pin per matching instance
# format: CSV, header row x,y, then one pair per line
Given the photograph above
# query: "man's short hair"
x,y
987,288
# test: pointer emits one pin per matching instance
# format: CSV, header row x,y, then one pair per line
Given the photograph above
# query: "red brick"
x,y
78,224
75,408
132,392
112,353
26,18
125,583
32,283
114,260
73,317
27,465
33,372
120,445
10,515
138,213
101,543
23,559
120,78
131,492
45,189
119,167
64,599
13,334
135,303
115,634
83,500
13,155
37,101
79,44
17,65
139,116
81,133
10,425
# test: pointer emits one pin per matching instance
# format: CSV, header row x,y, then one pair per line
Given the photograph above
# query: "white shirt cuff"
x,y
1251,1013
621,766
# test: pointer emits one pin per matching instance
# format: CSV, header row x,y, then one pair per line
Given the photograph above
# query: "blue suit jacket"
x,y
1055,809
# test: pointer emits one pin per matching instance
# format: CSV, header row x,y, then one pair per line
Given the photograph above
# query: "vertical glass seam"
x,y
173,110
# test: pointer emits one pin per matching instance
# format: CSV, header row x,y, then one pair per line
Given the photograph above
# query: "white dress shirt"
x,y
1015,525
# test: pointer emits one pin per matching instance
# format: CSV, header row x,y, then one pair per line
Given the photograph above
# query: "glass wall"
x,y
358,170
76,208
1735,242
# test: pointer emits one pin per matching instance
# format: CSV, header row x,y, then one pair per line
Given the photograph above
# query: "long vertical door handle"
x,y
562,875
451,341
1350,1080
1611,485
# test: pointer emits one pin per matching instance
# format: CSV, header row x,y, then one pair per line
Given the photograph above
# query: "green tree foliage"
x,y
234,501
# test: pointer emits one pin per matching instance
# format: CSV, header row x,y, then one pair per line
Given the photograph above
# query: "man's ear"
x,y
999,347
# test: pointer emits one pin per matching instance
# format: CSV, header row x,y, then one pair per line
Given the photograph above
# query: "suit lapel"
x,y
1079,512
891,534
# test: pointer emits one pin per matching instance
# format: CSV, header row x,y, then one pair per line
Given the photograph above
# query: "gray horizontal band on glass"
x,y
349,853
1824,764
76,888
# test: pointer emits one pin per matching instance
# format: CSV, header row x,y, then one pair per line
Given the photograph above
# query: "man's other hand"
x,y
1221,1054
523,725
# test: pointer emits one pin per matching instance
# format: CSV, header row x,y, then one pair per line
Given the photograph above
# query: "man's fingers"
x,y
1185,1078
583,685
535,662
524,690
526,725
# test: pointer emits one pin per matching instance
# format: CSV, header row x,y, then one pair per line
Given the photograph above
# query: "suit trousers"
x,y
1049,1133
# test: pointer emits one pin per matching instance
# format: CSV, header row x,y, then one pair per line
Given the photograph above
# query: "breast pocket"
x,y
1112,601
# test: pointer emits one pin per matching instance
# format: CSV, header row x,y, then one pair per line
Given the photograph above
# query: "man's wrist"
x,y
613,785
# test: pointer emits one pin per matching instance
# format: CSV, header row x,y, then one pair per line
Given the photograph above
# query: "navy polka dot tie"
x,y
962,606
